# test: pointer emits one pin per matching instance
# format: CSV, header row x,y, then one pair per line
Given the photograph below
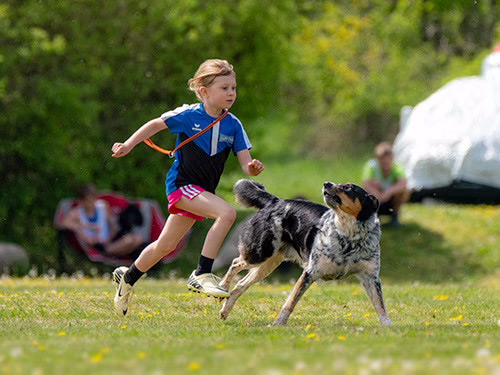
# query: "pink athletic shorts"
x,y
189,191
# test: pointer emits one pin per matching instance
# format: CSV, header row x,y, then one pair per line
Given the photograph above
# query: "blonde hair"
x,y
206,74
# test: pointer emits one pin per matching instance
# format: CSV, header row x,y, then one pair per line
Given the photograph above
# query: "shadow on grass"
x,y
413,253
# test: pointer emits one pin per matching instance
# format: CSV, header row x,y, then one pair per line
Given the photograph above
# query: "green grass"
x,y
441,283
67,327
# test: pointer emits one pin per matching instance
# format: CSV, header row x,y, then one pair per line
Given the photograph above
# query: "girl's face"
x,y
221,94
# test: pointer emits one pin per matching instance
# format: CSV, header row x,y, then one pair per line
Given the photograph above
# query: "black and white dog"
x,y
329,242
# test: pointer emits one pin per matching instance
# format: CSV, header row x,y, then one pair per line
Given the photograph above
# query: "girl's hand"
x,y
255,167
120,150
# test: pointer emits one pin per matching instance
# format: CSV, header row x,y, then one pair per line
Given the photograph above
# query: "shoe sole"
x,y
116,279
205,294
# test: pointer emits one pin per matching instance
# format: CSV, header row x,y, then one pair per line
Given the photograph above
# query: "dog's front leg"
x,y
253,276
299,289
237,266
373,288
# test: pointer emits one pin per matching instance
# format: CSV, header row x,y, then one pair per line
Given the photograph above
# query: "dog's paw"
x,y
386,322
223,314
279,322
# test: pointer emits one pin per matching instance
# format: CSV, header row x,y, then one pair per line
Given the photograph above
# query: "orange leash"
x,y
153,145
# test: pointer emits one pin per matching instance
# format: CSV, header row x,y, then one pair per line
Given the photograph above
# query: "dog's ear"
x,y
375,201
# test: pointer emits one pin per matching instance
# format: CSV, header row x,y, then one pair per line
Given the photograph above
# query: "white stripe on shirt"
x,y
178,111
215,139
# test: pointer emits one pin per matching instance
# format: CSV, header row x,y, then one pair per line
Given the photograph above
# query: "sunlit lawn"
x,y
441,284
68,327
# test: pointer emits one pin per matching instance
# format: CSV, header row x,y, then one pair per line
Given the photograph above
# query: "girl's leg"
x,y
210,205
174,230
176,227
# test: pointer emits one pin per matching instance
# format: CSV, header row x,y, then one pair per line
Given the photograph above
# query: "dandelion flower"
x,y
442,297
194,366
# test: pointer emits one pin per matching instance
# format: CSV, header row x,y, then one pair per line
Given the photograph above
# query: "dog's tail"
x,y
252,194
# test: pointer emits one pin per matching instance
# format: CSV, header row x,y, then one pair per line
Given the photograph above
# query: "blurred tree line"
x,y
77,76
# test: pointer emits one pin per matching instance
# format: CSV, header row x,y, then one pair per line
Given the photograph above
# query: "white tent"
x,y
454,135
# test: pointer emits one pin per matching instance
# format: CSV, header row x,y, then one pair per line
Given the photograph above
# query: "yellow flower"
x,y
194,366
310,326
367,315
442,297
311,335
62,333
427,323
141,355
459,317
342,338
124,326
97,357
221,346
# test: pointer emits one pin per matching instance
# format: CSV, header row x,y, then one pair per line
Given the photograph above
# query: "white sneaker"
x,y
124,291
207,283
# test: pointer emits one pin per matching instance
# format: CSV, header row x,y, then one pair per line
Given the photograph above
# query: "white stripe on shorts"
x,y
193,189
190,191
186,193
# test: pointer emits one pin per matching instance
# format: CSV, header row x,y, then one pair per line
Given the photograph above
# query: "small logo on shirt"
x,y
197,127
226,138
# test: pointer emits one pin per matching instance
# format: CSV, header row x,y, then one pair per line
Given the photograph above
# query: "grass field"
x,y
67,327
441,279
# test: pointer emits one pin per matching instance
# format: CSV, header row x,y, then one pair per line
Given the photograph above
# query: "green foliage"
x,y
360,62
314,77
76,77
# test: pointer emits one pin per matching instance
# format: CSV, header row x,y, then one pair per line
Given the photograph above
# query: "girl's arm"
x,y
145,131
251,167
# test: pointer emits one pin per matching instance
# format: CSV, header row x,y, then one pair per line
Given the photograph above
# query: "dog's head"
x,y
351,199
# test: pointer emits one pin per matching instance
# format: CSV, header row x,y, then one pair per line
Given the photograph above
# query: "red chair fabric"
x,y
154,221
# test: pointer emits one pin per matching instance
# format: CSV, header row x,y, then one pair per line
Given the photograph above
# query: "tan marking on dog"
x,y
349,206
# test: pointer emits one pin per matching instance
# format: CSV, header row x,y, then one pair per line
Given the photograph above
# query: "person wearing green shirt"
x,y
386,179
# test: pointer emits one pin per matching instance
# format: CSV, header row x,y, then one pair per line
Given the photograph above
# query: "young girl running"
x,y
193,177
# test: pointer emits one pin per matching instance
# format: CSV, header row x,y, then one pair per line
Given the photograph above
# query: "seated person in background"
x,y
92,221
386,179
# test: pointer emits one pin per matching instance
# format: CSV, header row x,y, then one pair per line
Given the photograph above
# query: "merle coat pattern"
x,y
328,242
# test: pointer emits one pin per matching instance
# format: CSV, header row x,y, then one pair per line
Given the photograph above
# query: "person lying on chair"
x,y
92,221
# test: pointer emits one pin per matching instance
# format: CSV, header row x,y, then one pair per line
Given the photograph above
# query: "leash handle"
x,y
171,154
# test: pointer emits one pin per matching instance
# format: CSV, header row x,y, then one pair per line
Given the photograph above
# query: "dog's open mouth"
x,y
331,197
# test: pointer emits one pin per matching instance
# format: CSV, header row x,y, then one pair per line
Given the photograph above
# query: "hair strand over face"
x,y
206,74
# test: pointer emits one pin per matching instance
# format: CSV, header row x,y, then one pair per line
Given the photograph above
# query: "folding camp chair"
x,y
72,250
